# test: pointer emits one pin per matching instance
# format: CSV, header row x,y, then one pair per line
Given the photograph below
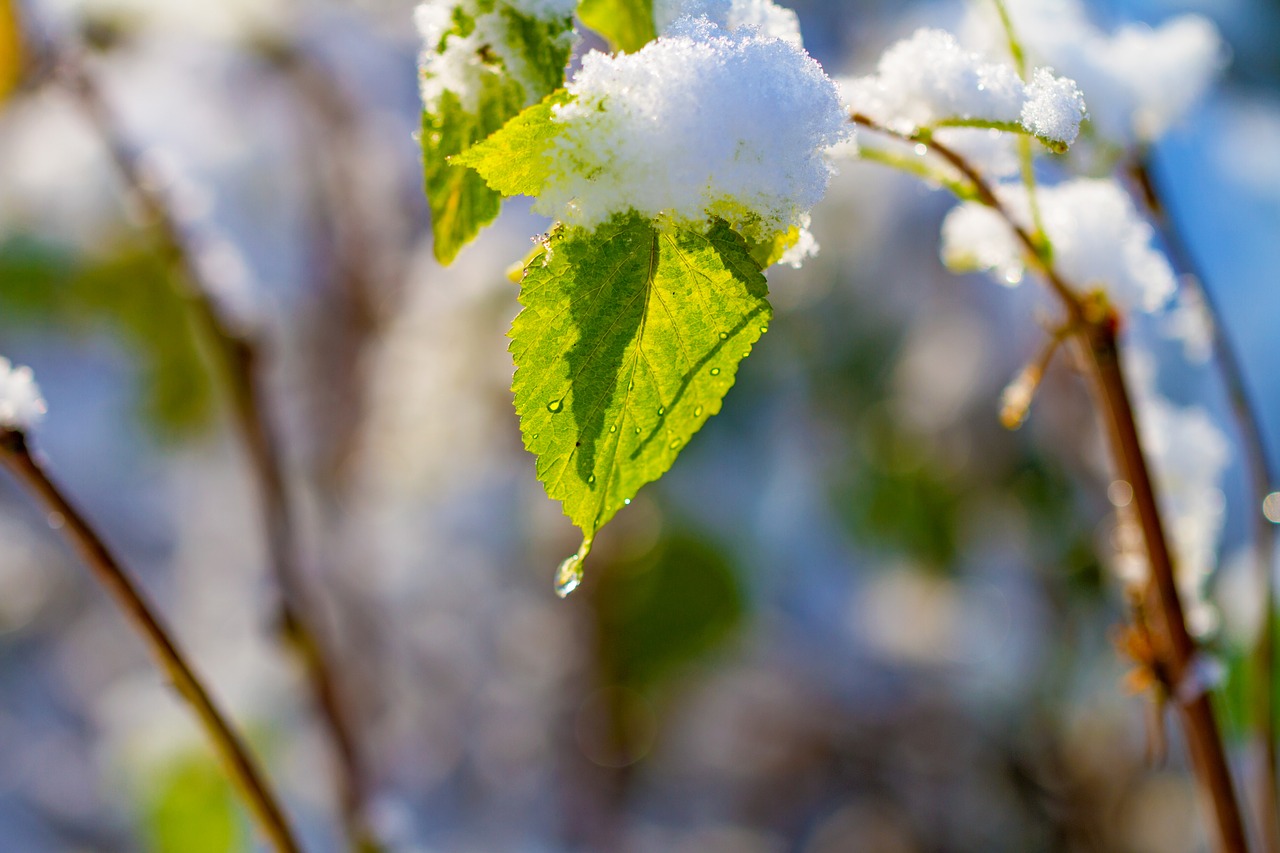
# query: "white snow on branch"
x,y
21,405
929,80
1139,80
1098,240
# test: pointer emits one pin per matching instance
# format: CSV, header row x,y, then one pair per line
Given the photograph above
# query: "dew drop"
x,y
715,371
613,428
568,576
724,336
555,405
662,410
921,149
675,443
627,502
535,436
764,329
697,413
637,430
591,481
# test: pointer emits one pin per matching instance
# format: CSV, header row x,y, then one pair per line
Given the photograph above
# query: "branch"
x,y
1096,330
240,355
1258,469
229,746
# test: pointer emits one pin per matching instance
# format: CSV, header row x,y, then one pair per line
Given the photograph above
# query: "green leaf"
x,y
627,24
629,339
538,52
192,809
461,203
516,160
132,294
665,609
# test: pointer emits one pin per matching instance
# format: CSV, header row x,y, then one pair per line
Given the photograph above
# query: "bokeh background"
x,y
858,615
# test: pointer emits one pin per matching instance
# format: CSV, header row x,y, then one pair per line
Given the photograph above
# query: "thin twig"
x,y
1259,470
240,355
1096,331
230,747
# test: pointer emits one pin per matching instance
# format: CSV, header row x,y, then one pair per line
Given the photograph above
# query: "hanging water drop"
x,y
555,405
568,575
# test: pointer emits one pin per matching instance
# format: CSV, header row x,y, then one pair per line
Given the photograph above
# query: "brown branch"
x,y
1096,328
1259,470
239,356
229,746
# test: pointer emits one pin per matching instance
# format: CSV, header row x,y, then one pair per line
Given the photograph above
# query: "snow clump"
x,y
21,405
703,122
1098,240
766,17
1139,79
929,80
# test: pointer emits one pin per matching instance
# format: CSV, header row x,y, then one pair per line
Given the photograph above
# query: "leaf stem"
x,y
231,749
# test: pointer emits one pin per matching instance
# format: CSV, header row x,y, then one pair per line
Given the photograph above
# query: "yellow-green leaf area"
x,y
517,159
630,337
10,48
192,809
626,24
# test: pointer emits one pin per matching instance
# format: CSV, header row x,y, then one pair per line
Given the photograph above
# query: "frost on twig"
x,y
1139,79
929,81
1098,239
21,406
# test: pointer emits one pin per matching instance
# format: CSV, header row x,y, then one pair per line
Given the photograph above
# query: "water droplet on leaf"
x,y
568,576
715,371
662,410
697,412
675,443
555,405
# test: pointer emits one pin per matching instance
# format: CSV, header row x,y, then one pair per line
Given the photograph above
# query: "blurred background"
x,y
858,615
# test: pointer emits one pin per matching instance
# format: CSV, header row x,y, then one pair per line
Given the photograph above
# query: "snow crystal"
x,y
767,17
699,123
1098,240
930,79
1139,80
456,63
21,405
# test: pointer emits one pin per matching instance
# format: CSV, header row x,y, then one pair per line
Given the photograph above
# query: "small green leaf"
x,y
536,53
627,24
516,160
461,203
663,610
192,809
629,339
